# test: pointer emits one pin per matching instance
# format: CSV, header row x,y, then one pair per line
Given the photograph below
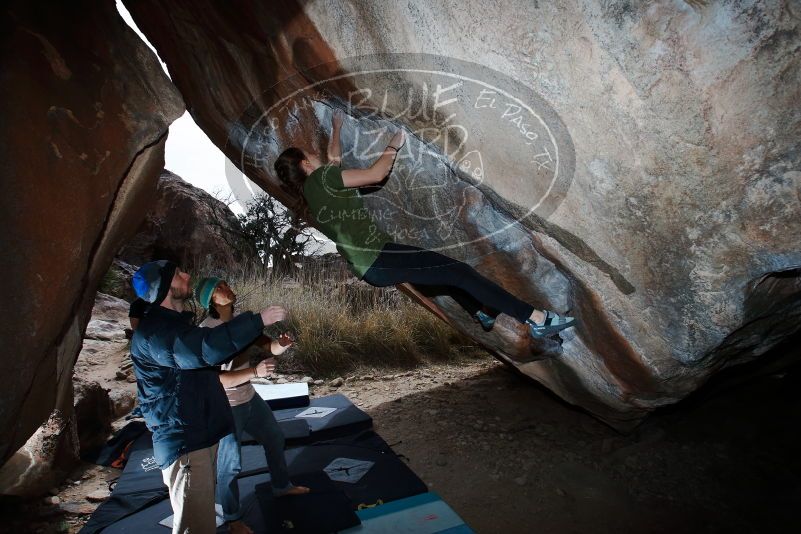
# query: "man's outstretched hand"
x,y
272,314
286,339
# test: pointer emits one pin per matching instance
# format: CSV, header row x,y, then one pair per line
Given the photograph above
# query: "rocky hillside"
x,y
188,226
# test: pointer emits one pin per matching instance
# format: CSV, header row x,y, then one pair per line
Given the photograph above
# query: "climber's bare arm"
x,y
334,148
378,170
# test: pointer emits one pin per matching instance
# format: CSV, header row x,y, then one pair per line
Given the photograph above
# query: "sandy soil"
x,y
510,457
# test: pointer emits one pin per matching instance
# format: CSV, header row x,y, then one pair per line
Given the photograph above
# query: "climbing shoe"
x,y
486,321
553,323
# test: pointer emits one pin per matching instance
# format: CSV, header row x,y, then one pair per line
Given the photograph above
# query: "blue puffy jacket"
x,y
178,383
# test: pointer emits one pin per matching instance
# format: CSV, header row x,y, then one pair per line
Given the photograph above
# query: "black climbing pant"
x,y
438,274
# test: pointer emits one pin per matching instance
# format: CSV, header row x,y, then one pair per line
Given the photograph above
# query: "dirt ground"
x,y
510,457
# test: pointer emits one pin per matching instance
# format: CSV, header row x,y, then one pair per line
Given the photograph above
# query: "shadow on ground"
x,y
510,457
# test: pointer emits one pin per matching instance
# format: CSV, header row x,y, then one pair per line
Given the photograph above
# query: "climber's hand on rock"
x,y
336,119
398,140
272,314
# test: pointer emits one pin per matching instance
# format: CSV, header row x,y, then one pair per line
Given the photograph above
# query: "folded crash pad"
x,y
327,417
426,513
283,396
383,476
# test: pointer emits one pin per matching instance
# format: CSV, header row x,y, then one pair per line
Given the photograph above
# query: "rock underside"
x,y
667,137
638,164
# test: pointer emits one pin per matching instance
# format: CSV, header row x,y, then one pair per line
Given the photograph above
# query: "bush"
x,y
345,325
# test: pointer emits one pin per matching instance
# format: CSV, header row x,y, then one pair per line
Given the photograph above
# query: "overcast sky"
x,y
189,153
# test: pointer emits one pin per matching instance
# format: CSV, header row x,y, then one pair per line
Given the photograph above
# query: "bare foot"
x,y
537,316
238,527
295,490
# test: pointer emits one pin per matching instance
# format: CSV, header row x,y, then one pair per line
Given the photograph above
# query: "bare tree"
x,y
278,234
278,237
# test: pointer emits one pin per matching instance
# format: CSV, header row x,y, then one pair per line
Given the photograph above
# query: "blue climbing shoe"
x,y
553,323
486,321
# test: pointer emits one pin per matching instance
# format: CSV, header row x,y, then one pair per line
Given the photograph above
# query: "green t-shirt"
x,y
340,214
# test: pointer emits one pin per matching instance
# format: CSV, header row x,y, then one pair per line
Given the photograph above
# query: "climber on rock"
x,y
179,390
251,412
333,200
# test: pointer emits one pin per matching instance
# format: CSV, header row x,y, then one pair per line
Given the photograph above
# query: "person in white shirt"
x,y
251,412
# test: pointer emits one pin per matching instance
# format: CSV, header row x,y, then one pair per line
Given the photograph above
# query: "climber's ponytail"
x,y
289,171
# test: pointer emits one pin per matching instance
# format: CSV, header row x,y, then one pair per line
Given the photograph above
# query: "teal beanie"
x,y
205,289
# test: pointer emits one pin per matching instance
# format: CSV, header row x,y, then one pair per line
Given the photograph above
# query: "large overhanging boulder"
x,y
648,177
85,109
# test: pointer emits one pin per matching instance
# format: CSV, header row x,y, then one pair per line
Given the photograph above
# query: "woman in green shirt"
x,y
335,204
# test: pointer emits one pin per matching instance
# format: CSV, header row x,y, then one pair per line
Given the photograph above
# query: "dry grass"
x,y
347,325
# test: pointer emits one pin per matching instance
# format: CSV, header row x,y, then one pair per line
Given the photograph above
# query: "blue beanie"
x,y
152,281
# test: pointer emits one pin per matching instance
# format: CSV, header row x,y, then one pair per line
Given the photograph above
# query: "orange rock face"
x,y
636,164
85,109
